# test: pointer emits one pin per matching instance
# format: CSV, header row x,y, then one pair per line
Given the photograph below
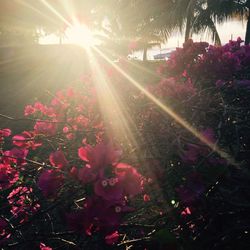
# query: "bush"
x,y
109,165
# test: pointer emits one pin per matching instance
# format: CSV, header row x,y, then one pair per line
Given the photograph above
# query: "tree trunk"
x,y
247,37
145,50
188,28
190,17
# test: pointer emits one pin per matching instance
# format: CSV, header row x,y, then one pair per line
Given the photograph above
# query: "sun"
x,y
80,35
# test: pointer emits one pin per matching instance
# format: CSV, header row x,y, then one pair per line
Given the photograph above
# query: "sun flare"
x,y
80,35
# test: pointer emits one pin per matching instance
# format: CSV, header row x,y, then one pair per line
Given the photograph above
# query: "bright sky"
x,y
228,30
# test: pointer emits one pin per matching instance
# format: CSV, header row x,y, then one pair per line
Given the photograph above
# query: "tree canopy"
x,y
143,21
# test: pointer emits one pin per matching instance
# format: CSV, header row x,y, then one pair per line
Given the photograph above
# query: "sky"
x,y
227,30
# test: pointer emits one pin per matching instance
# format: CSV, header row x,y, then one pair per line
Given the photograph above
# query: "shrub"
x,y
162,169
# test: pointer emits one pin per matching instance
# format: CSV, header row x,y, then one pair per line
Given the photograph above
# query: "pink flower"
x,y
8,176
49,182
112,238
57,159
5,132
16,156
26,139
131,180
29,110
44,247
109,189
22,203
97,214
186,211
172,87
19,140
100,156
46,128
86,174
146,197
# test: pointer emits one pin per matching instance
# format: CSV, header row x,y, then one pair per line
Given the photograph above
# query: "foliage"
x,y
65,184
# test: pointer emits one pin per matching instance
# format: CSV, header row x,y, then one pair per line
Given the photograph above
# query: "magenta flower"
x,y
97,214
4,234
100,156
57,159
19,140
131,180
86,174
22,204
5,132
16,156
112,238
46,128
109,189
29,110
44,247
49,182
8,176
25,140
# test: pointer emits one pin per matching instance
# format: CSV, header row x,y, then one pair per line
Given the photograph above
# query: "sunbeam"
x,y
22,2
53,10
113,110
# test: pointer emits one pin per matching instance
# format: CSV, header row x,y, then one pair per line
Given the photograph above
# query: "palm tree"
x,y
186,16
127,21
227,9
191,17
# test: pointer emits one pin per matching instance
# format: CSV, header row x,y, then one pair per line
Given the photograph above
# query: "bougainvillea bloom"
x,y
109,189
57,159
46,128
29,110
86,174
44,247
131,180
112,238
8,176
26,139
16,156
5,132
49,182
22,204
99,156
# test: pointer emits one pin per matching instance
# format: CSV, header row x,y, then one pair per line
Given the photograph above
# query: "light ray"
x,y
111,106
170,112
21,2
53,10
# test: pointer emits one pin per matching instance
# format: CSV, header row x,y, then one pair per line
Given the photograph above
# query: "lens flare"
x,y
80,35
